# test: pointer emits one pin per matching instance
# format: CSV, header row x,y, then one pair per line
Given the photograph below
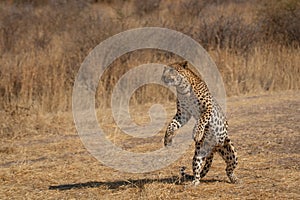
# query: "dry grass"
x,y
43,157
265,68
42,44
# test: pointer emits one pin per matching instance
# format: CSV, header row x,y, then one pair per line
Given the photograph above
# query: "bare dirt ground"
x,y
42,157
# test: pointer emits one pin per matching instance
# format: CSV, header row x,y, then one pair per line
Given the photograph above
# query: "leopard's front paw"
x,y
198,133
197,137
168,141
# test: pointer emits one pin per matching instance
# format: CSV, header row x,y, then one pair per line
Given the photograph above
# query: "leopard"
x,y
210,133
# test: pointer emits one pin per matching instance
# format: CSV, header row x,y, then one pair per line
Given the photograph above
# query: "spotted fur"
x,y
210,131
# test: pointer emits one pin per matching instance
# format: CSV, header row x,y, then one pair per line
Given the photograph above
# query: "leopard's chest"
x,y
191,104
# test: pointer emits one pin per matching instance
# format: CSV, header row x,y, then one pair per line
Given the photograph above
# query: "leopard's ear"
x,y
185,64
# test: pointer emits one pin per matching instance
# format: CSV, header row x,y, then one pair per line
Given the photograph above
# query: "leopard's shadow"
x,y
138,183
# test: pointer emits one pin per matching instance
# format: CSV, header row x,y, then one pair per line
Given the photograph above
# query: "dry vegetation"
x,y
42,44
255,45
43,157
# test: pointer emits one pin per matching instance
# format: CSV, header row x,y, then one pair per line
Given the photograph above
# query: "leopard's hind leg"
x,y
229,154
187,177
207,165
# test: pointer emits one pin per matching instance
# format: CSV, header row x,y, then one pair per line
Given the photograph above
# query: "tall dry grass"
x,y
42,44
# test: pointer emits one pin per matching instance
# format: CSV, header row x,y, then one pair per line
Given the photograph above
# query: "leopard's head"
x,y
171,75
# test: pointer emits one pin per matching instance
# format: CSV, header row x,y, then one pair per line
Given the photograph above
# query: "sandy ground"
x,y
42,157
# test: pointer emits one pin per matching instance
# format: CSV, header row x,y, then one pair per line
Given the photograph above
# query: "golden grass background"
x,y
42,157
255,45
